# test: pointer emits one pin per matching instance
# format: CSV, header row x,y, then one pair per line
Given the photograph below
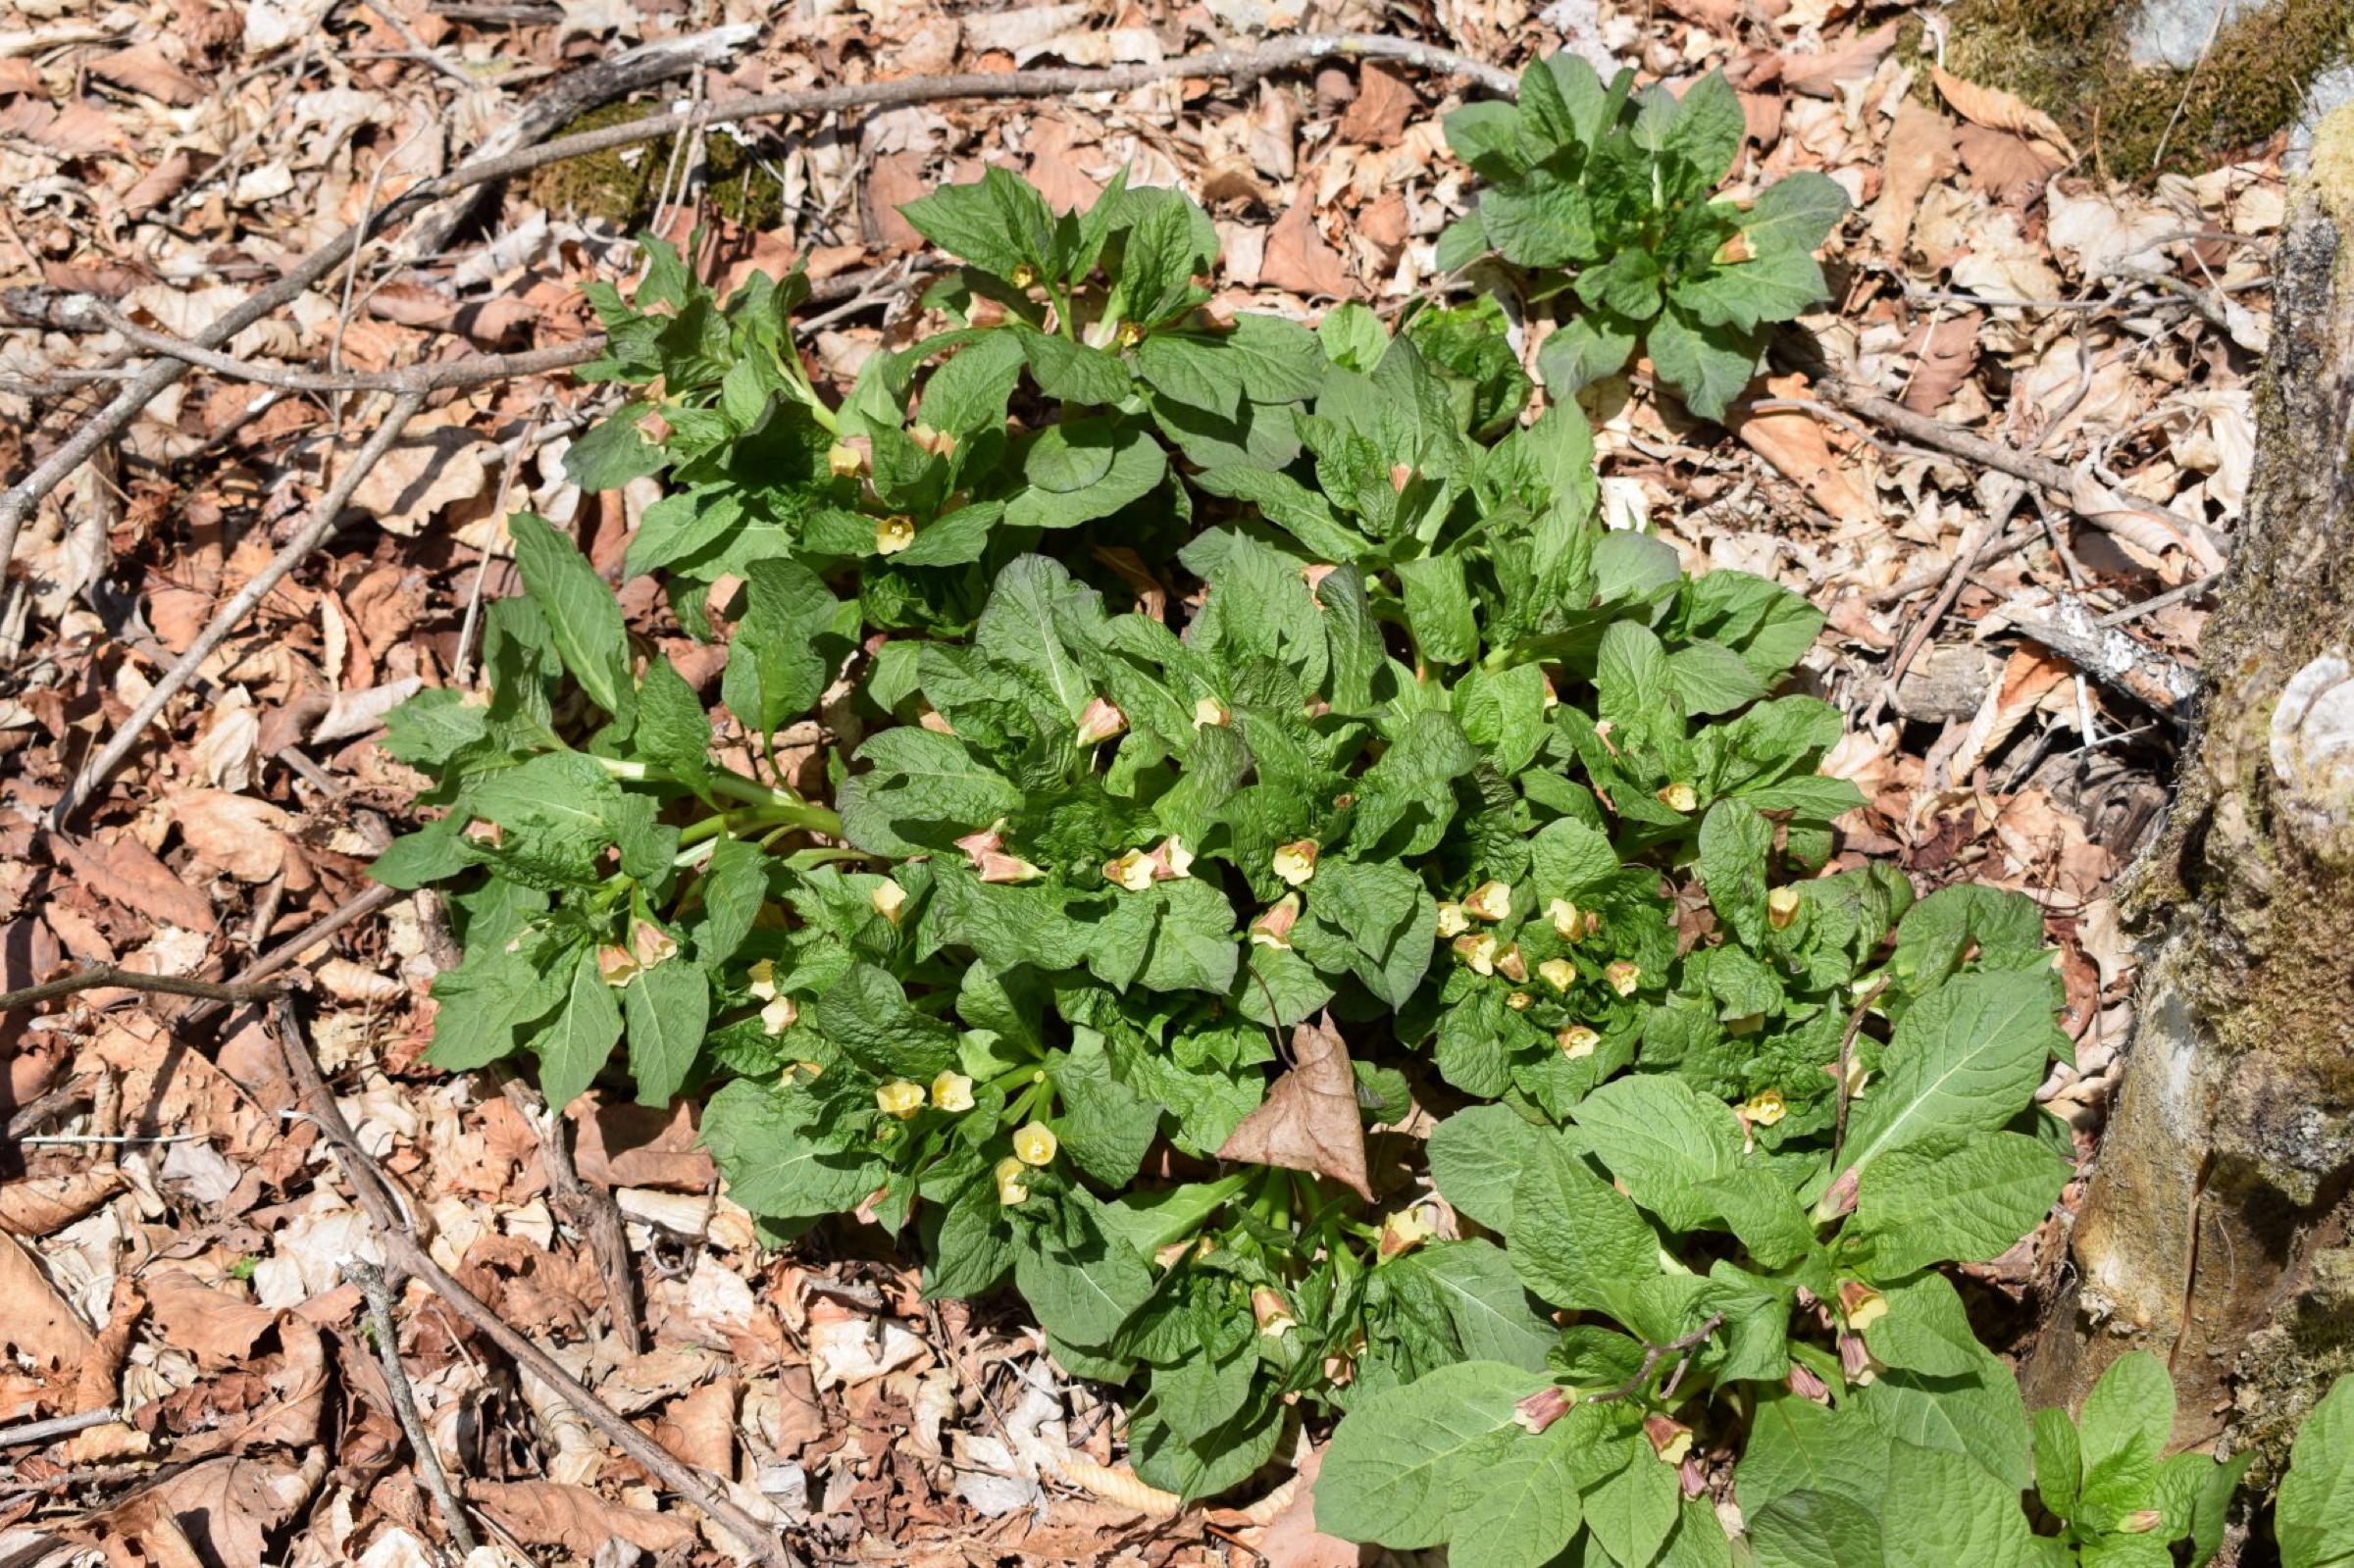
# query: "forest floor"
x,y
2007,636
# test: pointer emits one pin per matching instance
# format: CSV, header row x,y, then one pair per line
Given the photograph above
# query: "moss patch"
x,y
2069,59
621,183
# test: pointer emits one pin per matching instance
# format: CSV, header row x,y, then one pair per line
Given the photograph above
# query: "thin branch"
x,y
232,614
592,1212
31,1432
433,376
2142,528
282,956
1847,1054
376,1198
1653,1354
1236,66
132,980
370,1281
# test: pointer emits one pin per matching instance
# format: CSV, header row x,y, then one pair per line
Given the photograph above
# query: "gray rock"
x,y
2174,33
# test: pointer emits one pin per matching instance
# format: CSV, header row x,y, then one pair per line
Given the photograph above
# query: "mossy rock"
x,y
622,183
2073,59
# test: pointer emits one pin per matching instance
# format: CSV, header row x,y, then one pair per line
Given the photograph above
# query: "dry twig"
x,y
593,1213
105,975
379,1199
373,1285
232,614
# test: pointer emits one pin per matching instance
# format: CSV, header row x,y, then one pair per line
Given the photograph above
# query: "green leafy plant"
x,y
2314,1516
1244,745
1599,197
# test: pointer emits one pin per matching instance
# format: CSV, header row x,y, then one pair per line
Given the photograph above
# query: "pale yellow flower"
x,y
779,1015
889,899
1452,922
1295,862
899,1099
1034,1145
1132,870
1623,976
1012,1189
1210,710
1766,1107
1559,972
1565,919
893,535
1490,900
1478,951
953,1092
1781,907
762,981
1678,797
1577,1040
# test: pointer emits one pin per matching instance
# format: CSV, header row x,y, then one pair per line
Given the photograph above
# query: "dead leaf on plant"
x,y
1309,1121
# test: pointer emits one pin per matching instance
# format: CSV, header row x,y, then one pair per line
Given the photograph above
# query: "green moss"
x,y
2069,59
621,183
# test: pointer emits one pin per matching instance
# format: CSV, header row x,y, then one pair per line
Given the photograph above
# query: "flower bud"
x,y
1806,1386
780,1015
1034,1143
1735,250
952,1091
2141,1521
1781,907
1543,1408
1623,976
1479,951
1669,1439
1012,1189
1577,1040
893,535
1210,710
1295,862
1559,972
1490,900
1841,1198
761,981
1520,1001
1861,1305
888,900
1271,1311
1001,869
1856,1360
1023,275
1678,797
899,1099
1452,922
1099,721
1402,475
1274,929
940,443
1566,924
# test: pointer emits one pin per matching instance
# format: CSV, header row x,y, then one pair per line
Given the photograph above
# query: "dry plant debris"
x,y
183,1238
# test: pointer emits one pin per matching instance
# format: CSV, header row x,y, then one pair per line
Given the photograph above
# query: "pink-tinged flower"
x,y
1479,951
1543,1408
1002,868
1624,976
1099,722
1512,966
1132,870
2140,1522
1403,1231
1490,900
1861,1305
780,1015
1693,1475
1669,1439
650,944
1577,1040
977,845
1804,1382
1841,1198
1271,1311
1273,927
1855,1359
848,459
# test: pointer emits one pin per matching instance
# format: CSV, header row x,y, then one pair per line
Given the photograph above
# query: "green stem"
x,y
788,808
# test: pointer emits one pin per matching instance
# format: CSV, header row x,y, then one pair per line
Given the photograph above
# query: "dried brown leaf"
x,y
42,1332
76,129
1920,152
541,1513
40,1206
1998,110
1798,446
1377,116
1309,1121
144,68
1298,259
1821,73
126,872
1942,354
236,834
2008,167
218,1327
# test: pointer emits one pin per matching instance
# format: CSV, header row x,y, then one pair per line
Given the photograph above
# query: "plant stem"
x,y
788,808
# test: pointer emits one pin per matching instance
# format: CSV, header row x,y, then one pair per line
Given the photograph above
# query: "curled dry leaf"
x,y
1941,353
144,68
541,1513
218,1327
1920,152
1819,74
1796,443
1998,110
1309,1121
1299,260
237,833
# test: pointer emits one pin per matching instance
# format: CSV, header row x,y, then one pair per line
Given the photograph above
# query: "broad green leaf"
x,y
1520,1505
777,1159
1394,1466
1796,1445
2122,1430
1659,1138
1215,1461
1969,1055
1477,1156
1942,1509
1815,1530
1495,1317
1952,1198
2058,1462
1576,1241
666,1007
1631,1510
583,616
574,1046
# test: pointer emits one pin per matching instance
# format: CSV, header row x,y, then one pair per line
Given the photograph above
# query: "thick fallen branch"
x,y
1231,65
232,614
387,1213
